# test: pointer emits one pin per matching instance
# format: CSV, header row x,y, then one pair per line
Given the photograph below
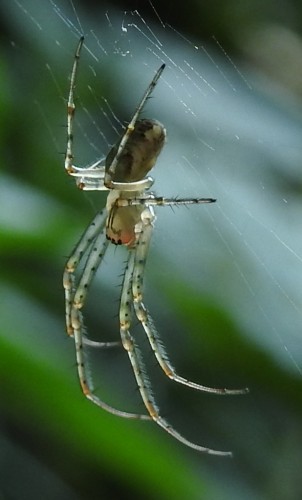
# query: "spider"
x,y
127,220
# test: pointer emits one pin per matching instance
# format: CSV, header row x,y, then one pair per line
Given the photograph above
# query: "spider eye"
x,y
140,152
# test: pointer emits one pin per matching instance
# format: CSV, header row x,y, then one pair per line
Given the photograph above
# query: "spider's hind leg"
x,y
69,280
136,360
145,319
75,295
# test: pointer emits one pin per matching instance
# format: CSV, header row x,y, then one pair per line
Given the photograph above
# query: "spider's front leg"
x,y
89,178
92,177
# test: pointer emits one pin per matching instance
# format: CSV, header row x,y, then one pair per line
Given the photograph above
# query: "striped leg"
x,y
134,353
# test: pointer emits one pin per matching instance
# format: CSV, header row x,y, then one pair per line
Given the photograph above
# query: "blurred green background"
x,y
223,282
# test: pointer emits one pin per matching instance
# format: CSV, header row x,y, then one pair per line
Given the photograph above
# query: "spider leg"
x,y
91,183
71,108
93,176
130,127
98,248
82,365
146,320
137,364
97,251
95,171
141,185
96,226
94,236
161,201
150,201
92,179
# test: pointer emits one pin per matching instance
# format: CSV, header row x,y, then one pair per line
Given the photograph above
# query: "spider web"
x,y
224,141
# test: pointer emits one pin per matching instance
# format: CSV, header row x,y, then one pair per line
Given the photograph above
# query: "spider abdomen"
x,y
140,152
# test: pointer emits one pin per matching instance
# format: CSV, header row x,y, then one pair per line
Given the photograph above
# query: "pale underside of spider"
x,y
128,220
